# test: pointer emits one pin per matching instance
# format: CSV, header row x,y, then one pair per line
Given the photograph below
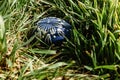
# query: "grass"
x,y
91,53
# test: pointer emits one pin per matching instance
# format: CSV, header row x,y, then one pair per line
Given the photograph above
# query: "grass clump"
x,y
94,40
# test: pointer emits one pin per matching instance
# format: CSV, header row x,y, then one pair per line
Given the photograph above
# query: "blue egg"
x,y
53,30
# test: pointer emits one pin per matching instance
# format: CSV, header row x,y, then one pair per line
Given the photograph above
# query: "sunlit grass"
x,y
93,48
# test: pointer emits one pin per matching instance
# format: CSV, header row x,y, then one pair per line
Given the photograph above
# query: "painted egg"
x,y
53,30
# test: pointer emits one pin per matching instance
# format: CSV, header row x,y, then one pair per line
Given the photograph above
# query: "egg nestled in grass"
x,y
53,30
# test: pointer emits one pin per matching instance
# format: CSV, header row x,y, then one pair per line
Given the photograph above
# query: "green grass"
x,y
93,52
